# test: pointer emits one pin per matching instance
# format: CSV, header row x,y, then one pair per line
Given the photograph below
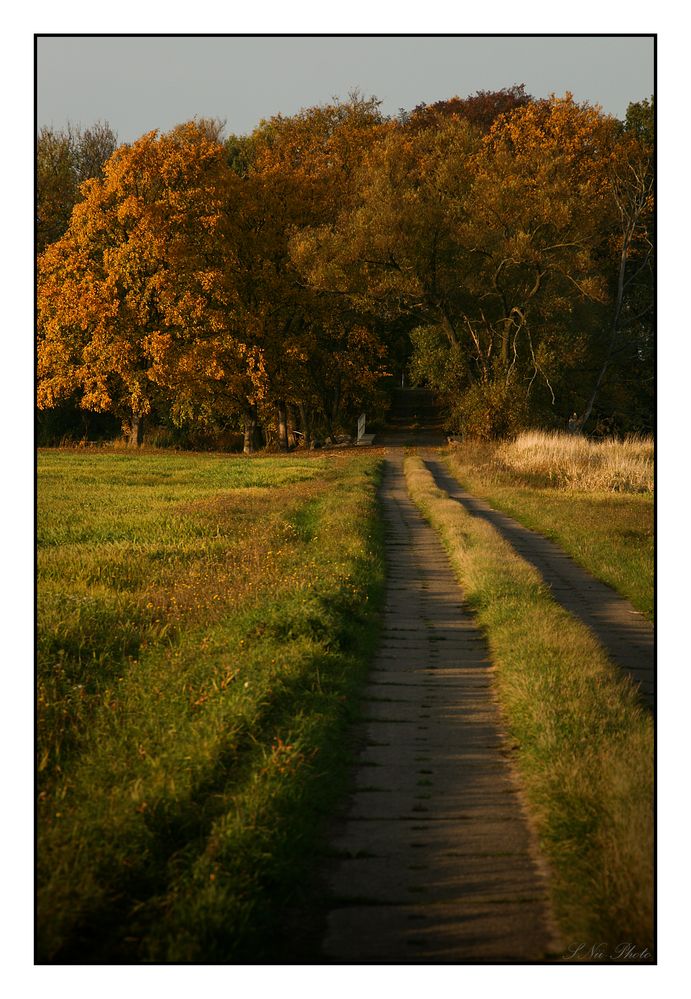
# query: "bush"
x,y
490,410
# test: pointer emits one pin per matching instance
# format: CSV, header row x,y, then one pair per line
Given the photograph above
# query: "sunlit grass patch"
x,y
196,661
571,461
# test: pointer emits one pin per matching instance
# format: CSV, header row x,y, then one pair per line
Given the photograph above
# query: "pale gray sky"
x,y
140,83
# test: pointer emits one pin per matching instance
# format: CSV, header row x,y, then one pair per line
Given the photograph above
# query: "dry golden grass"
x,y
570,461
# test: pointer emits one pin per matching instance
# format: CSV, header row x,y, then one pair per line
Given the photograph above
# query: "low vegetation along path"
x,y
435,859
624,633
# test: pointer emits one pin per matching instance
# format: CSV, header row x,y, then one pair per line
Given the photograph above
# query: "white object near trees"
x,y
362,437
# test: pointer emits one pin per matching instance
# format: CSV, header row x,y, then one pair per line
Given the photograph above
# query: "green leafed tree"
x,y
622,390
491,240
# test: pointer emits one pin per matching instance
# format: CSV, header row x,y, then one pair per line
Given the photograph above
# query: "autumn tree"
x,y
396,252
64,160
487,241
299,172
500,246
538,211
132,293
480,109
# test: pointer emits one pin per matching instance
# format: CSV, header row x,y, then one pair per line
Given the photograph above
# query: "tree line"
x,y
496,248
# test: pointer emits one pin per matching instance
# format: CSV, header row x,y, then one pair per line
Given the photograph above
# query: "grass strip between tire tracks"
x,y
584,745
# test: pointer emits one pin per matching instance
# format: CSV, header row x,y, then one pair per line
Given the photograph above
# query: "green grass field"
x,y
203,622
204,625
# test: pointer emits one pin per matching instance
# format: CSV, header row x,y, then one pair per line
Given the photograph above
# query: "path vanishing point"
x,y
434,856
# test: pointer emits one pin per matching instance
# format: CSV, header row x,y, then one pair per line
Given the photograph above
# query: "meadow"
x,y
203,624
595,499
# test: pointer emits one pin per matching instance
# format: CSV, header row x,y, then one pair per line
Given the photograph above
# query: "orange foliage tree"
x,y
266,279
317,355
131,296
174,285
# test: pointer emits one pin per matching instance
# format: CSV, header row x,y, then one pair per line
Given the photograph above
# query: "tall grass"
x,y
570,461
203,624
584,746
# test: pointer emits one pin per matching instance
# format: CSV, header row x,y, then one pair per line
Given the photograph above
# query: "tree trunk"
x,y
291,422
282,425
505,338
306,424
135,437
332,413
450,329
86,422
250,419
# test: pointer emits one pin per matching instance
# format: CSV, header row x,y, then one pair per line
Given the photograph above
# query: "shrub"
x,y
491,410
